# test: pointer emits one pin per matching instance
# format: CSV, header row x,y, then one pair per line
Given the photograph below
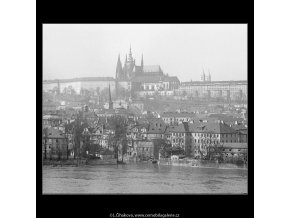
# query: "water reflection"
x,y
143,178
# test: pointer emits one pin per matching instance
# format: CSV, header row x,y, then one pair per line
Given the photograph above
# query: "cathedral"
x,y
130,70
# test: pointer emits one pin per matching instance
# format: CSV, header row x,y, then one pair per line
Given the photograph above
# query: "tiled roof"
x,y
158,130
226,118
177,114
183,127
140,126
211,128
53,133
239,127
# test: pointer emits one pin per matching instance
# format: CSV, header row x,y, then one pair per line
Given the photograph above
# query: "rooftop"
x,y
211,128
151,68
53,133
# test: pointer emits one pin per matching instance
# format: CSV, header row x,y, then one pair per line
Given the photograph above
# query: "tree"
x,y
124,147
86,143
58,149
67,129
45,133
77,129
188,149
118,125
165,149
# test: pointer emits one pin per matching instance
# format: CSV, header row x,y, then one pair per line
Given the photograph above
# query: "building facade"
x,y
229,90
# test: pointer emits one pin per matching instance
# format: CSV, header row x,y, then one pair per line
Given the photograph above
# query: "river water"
x,y
143,178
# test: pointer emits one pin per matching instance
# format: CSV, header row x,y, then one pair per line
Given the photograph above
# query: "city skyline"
x,y
91,50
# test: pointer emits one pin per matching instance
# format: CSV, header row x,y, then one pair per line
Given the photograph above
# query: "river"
x,y
143,178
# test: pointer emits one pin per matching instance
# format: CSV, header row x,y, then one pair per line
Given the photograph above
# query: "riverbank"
x,y
202,164
183,163
80,162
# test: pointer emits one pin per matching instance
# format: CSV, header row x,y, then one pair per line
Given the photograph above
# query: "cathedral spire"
x,y
209,76
130,54
142,62
119,68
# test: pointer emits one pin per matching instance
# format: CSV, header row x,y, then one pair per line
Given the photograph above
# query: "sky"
x,y
182,50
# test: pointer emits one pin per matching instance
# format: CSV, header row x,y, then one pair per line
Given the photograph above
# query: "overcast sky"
x,y
182,50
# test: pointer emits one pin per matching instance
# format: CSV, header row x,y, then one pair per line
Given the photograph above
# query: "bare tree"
x,y
119,126
45,134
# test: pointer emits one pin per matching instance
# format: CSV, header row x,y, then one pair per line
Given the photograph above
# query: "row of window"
x,y
214,141
177,141
204,134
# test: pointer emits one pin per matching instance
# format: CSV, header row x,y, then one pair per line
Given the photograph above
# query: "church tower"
x,y
142,63
129,65
119,71
110,99
209,76
203,76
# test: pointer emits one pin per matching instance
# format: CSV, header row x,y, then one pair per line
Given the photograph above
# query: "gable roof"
x,y
178,114
211,128
53,133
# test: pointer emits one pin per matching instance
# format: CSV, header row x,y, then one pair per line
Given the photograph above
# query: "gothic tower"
x,y
129,65
119,74
119,71
203,76
209,76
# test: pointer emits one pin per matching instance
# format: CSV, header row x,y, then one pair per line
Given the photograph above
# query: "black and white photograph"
x,y
145,109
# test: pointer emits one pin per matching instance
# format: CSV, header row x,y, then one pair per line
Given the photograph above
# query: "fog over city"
x,y
182,50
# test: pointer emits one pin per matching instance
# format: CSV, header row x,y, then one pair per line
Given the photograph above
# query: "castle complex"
x,y
148,80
